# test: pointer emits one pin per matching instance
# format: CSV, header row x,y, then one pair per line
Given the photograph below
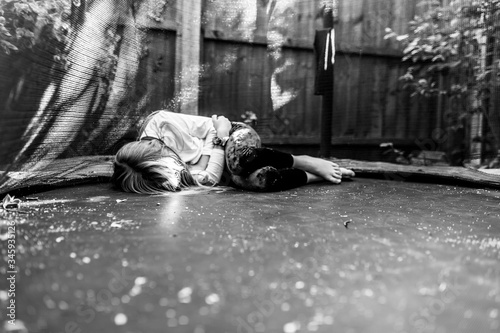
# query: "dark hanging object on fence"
x,y
324,49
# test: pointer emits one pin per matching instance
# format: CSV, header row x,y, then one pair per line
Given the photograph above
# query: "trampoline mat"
x,y
366,256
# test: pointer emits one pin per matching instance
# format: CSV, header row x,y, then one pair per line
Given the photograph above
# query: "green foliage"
x,y
452,40
26,23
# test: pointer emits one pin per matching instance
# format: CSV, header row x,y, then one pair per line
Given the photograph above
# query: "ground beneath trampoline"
x,y
366,256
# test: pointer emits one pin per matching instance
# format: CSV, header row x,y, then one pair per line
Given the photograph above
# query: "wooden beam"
x,y
299,44
435,174
95,169
187,59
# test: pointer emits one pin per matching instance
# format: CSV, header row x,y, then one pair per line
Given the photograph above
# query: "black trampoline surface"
x,y
366,256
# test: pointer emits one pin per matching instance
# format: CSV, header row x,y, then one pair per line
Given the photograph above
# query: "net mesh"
x,y
77,77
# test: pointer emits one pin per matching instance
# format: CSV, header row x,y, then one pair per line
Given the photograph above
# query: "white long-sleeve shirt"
x,y
188,135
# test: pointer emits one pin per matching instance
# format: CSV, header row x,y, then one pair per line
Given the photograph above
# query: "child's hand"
x,y
222,125
202,178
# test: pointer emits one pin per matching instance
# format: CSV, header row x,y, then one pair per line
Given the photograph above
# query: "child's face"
x,y
175,169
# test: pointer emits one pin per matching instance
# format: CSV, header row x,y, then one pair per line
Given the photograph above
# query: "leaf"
x,y
10,202
390,35
409,49
407,57
8,46
439,57
34,7
4,31
20,32
416,50
116,225
29,34
428,48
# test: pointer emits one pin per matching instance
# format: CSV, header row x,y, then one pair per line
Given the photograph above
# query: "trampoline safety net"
x,y
78,77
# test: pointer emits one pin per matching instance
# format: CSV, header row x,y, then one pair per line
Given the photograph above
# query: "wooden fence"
x,y
246,71
258,56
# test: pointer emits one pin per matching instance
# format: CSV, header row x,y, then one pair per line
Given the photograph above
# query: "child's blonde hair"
x,y
150,167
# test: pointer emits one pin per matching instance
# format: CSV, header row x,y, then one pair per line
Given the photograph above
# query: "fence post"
x,y
187,55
